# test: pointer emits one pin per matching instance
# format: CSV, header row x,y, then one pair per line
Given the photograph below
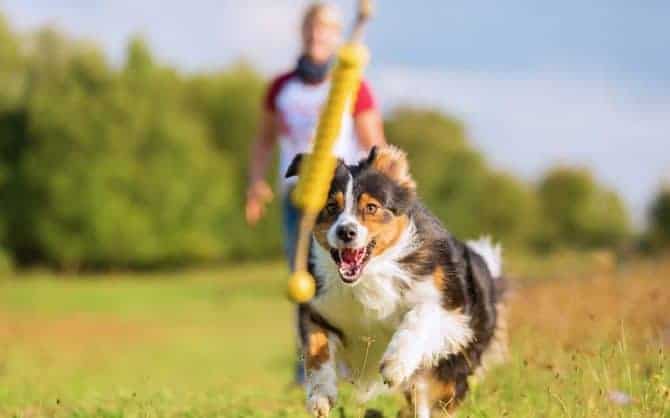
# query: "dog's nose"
x,y
346,233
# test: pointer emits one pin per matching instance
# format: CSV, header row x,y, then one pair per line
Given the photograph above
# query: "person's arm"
x,y
367,119
369,129
258,191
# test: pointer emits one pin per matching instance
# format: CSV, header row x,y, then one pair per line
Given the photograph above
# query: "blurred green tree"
x,y
659,218
11,68
229,105
578,212
140,165
508,209
12,83
121,173
455,181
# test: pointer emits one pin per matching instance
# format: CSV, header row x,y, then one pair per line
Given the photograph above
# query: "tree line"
x,y
139,165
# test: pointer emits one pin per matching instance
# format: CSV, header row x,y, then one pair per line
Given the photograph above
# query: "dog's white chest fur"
x,y
388,318
368,314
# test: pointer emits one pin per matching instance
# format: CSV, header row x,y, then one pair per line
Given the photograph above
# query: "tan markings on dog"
x,y
409,410
317,349
392,162
383,226
339,199
366,199
324,222
439,278
442,396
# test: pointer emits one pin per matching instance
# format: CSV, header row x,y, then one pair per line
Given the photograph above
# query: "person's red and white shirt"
x,y
298,106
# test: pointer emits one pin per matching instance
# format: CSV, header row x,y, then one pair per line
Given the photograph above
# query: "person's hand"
x,y
258,195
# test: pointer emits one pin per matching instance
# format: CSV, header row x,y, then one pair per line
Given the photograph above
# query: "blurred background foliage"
x,y
658,233
139,165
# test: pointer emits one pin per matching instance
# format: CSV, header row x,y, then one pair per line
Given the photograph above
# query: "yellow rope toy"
x,y
318,168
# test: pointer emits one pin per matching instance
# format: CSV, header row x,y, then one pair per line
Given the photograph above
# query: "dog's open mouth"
x,y
351,261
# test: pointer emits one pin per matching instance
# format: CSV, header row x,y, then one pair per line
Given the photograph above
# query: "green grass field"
x,y
220,344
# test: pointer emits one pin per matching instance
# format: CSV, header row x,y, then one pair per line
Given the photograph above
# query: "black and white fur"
x,y
397,327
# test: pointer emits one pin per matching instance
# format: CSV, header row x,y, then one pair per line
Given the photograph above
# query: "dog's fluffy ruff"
x,y
422,314
403,329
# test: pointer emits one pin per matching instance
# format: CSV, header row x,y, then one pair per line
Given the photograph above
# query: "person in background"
x,y
291,109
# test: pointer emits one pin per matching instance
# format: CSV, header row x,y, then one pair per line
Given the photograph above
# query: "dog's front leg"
x,y
320,376
427,332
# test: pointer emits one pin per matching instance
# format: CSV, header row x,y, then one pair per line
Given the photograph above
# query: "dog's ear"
x,y
392,162
372,155
341,169
294,168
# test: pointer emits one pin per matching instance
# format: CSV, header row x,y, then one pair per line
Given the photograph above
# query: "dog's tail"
x,y
490,252
492,255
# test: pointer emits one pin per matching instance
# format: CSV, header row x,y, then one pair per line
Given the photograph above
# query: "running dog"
x,y
401,304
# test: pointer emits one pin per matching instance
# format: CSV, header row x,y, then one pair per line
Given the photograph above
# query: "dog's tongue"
x,y
350,255
351,262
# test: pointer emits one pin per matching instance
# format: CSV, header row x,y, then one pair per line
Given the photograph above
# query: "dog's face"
x,y
366,210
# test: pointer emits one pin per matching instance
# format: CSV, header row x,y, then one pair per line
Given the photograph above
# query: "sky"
x,y
537,83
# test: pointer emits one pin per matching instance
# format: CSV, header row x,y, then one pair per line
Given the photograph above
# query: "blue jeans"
x,y
290,226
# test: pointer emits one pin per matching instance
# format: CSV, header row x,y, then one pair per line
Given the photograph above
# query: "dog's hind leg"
x,y
447,387
444,399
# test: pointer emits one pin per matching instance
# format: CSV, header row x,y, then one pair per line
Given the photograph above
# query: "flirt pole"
x,y
318,168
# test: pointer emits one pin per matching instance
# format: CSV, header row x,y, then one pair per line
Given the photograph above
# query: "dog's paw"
x,y
394,372
321,391
402,358
319,405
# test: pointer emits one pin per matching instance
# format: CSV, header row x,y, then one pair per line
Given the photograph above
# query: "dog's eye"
x,y
371,209
332,208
